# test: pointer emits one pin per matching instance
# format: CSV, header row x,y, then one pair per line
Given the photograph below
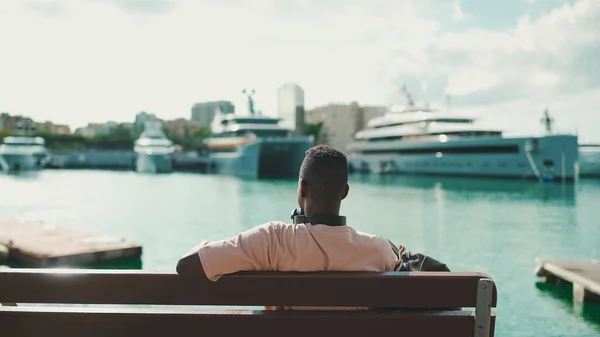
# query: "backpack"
x,y
408,261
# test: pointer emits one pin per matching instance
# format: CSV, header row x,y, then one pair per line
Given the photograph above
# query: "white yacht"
x,y
420,140
589,160
589,154
23,151
154,150
254,145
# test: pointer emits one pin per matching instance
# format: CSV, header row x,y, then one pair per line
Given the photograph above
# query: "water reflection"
x,y
507,187
119,264
263,200
22,175
563,296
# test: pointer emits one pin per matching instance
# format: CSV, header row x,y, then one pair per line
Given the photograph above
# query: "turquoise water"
x,y
494,226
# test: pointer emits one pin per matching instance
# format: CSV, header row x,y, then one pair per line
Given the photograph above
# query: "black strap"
x,y
318,219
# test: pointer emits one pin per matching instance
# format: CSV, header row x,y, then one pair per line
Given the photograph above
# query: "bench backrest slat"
x,y
17,322
394,289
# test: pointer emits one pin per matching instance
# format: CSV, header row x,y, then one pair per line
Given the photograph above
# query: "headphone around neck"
x,y
317,219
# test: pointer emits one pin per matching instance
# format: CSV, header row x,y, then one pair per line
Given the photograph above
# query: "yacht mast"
x,y
250,94
547,121
408,96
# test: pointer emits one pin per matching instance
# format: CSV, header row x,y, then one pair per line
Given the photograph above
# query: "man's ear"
x,y
303,188
346,192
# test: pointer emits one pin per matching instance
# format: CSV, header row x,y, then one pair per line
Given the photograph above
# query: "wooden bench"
x,y
421,301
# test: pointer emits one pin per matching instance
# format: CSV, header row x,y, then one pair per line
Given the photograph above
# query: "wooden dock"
x,y
38,245
583,274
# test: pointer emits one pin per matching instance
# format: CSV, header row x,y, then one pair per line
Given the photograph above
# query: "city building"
x,y
140,121
290,96
204,112
341,122
96,129
50,127
182,126
8,121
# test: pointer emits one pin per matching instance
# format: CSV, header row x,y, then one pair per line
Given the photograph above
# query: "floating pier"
x,y
584,275
38,245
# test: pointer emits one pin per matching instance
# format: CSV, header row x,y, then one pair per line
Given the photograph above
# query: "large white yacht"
x,y
589,160
154,150
254,145
23,151
420,140
589,153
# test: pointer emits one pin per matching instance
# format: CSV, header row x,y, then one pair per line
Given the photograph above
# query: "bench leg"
x,y
483,307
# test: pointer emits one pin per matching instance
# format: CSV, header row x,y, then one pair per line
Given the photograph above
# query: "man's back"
x,y
277,246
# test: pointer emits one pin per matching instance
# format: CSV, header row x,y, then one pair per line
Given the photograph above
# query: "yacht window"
x,y
439,151
423,122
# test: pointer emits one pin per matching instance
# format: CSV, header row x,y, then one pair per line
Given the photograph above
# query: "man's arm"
x,y
247,251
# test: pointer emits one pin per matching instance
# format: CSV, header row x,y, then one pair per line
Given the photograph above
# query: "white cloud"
x,y
458,13
97,61
535,54
80,60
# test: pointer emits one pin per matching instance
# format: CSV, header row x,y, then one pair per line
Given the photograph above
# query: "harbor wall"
x,y
93,159
121,160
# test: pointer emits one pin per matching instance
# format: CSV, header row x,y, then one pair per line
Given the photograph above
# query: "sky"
x,y
80,61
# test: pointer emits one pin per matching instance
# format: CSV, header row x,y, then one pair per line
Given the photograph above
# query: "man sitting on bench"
x,y
323,242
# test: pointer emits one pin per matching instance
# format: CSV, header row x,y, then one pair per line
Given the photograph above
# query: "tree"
x,y
313,129
202,133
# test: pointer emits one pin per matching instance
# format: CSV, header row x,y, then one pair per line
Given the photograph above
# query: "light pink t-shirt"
x,y
277,246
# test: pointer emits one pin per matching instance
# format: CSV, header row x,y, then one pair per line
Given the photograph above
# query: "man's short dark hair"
x,y
325,171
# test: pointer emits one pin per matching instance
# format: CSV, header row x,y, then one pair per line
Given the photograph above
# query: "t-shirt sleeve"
x,y
247,251
391,259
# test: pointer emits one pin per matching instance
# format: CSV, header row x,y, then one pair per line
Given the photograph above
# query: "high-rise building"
x,y
290,96
204,112
341,122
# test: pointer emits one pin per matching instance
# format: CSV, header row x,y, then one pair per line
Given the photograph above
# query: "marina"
x,y
584,275
38,245
133,133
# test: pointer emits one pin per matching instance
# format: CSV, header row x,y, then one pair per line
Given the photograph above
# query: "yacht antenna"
x,y
408,96
249,94
547,121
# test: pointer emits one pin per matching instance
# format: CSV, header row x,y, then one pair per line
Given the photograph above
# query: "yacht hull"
x,y
154,163
20,162
265,158
589,161
548,158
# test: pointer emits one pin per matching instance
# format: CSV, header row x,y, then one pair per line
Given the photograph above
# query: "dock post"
x,y
581,294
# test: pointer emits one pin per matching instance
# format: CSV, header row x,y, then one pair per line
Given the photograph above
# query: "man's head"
x,y
323,182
